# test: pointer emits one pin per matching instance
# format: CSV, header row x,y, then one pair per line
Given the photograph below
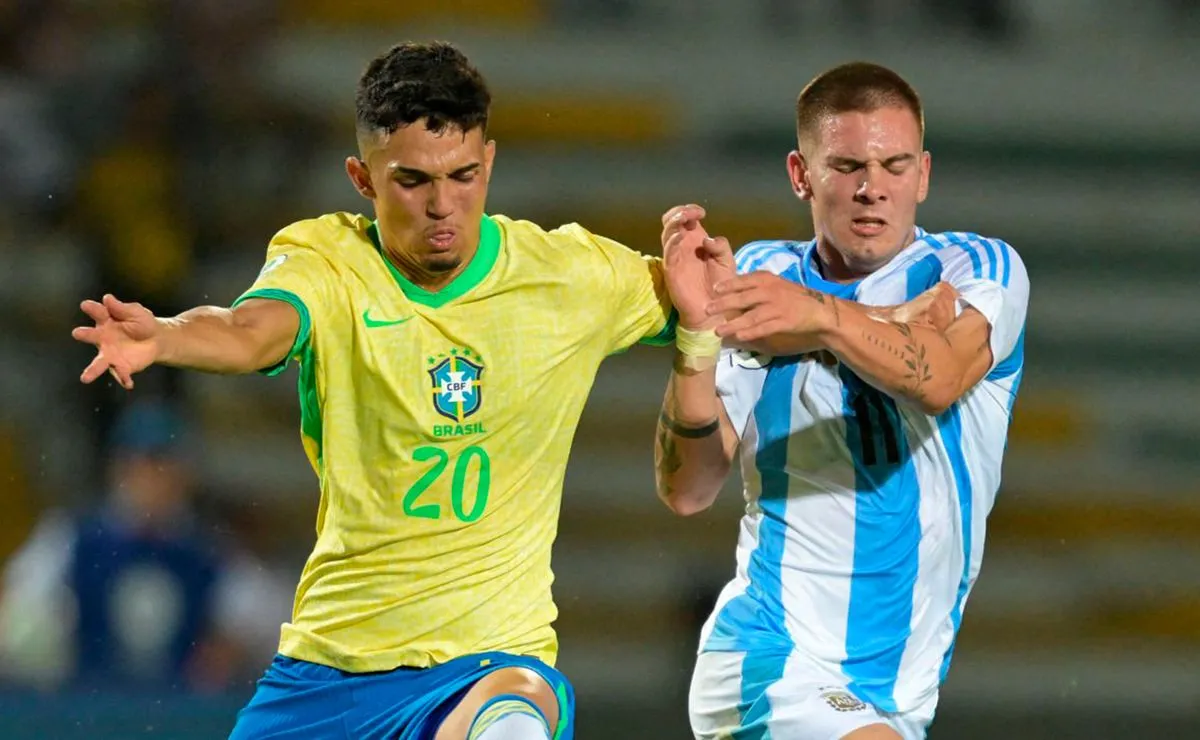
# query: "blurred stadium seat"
x,y
340,14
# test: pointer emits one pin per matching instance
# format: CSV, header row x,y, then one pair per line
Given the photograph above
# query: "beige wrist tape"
x,y
704,343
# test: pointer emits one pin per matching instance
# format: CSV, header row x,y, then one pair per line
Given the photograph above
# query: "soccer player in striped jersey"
x,y
870,447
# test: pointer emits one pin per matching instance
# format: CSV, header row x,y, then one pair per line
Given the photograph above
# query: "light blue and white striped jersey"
x,y
865,517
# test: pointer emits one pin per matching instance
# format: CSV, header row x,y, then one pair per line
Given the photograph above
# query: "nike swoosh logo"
x,y
375,323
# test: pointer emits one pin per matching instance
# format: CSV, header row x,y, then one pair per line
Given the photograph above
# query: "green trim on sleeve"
x,y
311,425
667,334
303,334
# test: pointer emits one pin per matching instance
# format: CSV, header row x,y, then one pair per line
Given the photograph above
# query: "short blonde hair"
x,y
853,87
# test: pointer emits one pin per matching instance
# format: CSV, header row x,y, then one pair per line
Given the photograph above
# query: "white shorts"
x,y
732,694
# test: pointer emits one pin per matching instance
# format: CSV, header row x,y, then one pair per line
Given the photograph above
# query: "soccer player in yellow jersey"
x,y
445,356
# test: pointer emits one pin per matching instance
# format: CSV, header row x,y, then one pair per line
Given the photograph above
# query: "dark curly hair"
x,y
414,81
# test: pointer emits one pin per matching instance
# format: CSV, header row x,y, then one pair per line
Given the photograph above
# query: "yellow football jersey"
x,y
439,426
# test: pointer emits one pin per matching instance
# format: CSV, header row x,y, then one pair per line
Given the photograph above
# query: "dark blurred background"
x,y
152,148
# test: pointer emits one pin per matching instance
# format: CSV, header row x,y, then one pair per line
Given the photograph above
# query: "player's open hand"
x,y
772,315
124,335
695,262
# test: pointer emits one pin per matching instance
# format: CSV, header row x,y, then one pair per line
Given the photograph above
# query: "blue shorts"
x,y
297,699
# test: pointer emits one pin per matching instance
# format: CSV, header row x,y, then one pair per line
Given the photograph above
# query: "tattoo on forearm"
x,y
825,300
915,360
669,461
912,354
884,344
668,432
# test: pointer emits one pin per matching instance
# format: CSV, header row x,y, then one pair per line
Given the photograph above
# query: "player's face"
x,y
865,174
429,191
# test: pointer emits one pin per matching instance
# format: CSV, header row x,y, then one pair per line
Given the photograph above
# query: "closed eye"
x,y
899,164
409,179
846,166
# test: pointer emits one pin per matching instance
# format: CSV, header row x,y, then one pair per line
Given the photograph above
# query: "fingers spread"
x,y
121,310
122,376
89,334
97,367
95,311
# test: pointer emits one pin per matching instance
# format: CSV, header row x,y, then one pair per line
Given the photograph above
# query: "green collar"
x,y
477,270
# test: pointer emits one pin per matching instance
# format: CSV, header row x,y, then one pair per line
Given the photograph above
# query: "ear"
x,y
489,155
360,177
798,174
923,188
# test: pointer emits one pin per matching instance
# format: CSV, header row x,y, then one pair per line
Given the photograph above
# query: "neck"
x,y
836,269
833,265
430,280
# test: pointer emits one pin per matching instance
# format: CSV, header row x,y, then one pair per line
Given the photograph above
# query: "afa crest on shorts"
x,y
841,700
457,383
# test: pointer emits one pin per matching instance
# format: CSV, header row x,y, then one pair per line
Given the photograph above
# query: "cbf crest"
x,y
457,380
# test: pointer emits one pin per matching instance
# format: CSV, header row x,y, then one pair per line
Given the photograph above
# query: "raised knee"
x,y
529,684
520,681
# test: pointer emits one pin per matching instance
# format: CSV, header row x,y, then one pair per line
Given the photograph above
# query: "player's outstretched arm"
x,y
129,338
